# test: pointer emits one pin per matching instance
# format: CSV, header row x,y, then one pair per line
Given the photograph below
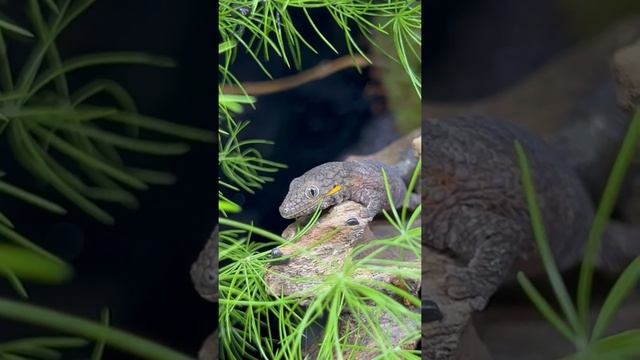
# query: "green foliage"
x,y
266,28
238,160
18,263
39,348
50,126
401,98
69,139
241,163
247,309
60,137
262,30
576,326
100,332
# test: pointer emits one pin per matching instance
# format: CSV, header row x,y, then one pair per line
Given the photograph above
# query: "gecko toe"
x,y
366,213
460,286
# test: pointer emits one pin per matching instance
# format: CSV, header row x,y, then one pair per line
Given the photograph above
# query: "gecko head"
x,y
306,193
205,277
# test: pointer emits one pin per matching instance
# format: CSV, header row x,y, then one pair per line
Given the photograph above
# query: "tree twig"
x,y
320,71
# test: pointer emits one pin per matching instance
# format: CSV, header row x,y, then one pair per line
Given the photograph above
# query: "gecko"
x,y
337,181
204,271
475,207
358,179
204,275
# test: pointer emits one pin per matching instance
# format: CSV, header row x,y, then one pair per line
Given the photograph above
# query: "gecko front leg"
x,y
489,243
372,208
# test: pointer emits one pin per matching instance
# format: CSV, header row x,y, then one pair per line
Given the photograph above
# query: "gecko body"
x,y
335,182
474,204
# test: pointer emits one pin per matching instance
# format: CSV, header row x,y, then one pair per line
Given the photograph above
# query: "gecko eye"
x,y
311,192
353,222
276,253
211,276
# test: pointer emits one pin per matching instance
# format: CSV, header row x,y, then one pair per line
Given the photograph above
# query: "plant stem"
x,y
544,249
74,325
251,228
612,189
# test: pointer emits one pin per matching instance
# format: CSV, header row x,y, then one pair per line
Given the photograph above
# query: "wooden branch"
x,y
320,71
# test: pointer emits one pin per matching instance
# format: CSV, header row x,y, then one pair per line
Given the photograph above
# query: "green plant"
x,y
576,326
101,333
69,139
59,137
262,29
267,28
247,310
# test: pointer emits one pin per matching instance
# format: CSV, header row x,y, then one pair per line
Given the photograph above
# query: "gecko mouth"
x,y
299,211
294,213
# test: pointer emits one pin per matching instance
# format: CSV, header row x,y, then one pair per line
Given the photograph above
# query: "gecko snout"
x,y
285,212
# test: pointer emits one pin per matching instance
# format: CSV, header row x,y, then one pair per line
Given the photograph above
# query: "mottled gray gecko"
x,y
335,182
204,275
204,271
474,206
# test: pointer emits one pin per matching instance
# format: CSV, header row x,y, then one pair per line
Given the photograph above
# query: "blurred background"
x,y
475,48
547,65
139,267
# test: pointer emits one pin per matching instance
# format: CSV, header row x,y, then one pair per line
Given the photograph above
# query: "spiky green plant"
x,y
262,30
588,338
247,309
61,137
266,28
100,332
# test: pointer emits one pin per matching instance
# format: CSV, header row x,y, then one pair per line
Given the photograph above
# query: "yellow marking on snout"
x,y
334,190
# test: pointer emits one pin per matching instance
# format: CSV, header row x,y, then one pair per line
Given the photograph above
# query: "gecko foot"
x,y
462,285
368,213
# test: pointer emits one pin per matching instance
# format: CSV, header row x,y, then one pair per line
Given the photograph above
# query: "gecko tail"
x,y
406,164
620,245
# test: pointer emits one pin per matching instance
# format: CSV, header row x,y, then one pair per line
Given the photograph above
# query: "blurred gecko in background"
x,y
475,208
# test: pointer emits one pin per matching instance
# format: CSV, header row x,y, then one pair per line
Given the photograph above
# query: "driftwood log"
x,y
321,252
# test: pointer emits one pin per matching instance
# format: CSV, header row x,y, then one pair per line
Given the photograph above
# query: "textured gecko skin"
x,y
204,271
474,205
335,182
